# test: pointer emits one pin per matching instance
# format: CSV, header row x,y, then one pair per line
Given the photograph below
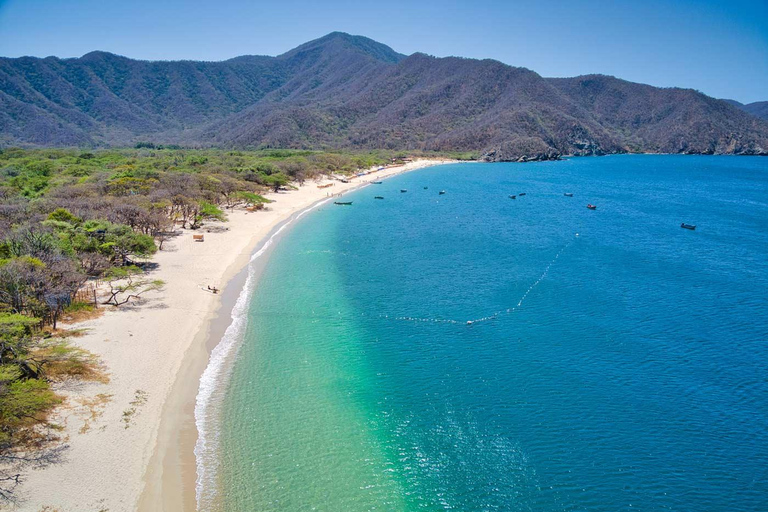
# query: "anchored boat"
x,y
442,192
379,197
403,190
513,197
568,194
688,226
343,203
592,207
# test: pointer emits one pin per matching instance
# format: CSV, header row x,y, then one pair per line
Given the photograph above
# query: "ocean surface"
x,y
615,361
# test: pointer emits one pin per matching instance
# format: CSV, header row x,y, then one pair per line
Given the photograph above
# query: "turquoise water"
x,y
623,368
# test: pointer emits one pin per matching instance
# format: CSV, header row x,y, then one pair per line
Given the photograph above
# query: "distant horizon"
x,y
720,50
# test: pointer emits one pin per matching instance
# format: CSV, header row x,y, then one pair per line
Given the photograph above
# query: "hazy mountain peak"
x,y
100,55
341,41
757,108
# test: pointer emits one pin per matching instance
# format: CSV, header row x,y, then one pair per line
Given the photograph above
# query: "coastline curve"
x,y
215,376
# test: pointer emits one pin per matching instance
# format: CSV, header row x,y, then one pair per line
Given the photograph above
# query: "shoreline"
x,y
176,463
171,475
130,440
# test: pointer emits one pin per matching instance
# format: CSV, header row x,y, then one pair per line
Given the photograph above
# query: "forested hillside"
x,y
343,91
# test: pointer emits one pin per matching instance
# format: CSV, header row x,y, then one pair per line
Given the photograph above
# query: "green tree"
x,y
117,242
208,211
276,181
64,215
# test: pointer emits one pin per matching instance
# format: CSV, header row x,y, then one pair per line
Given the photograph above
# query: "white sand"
x,y
143,347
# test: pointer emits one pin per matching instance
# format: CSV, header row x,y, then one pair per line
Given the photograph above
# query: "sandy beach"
x,y
131,440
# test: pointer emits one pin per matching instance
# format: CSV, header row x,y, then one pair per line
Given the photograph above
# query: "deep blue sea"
x,y
615,361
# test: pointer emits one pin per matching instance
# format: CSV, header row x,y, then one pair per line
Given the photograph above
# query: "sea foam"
x,y
214,377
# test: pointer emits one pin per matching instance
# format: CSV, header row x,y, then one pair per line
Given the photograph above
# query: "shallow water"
x,y
621,368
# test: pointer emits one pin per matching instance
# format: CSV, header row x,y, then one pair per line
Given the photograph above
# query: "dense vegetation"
x,y
345,91
70,218
67,216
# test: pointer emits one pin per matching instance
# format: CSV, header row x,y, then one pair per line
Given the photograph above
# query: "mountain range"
x,y
344,91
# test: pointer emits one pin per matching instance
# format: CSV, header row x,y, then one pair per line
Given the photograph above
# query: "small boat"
x,y
403,190
377,182
442,192
425,188
343,203
688,226
379,197
513,197
592,207
568,194
521,194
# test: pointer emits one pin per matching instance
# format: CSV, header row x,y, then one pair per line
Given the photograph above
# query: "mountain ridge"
x,y
346,91
756,108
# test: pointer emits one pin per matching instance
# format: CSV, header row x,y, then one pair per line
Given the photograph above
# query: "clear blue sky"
x,y
717,47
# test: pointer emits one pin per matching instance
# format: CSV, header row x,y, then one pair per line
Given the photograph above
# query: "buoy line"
x,y
497,313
